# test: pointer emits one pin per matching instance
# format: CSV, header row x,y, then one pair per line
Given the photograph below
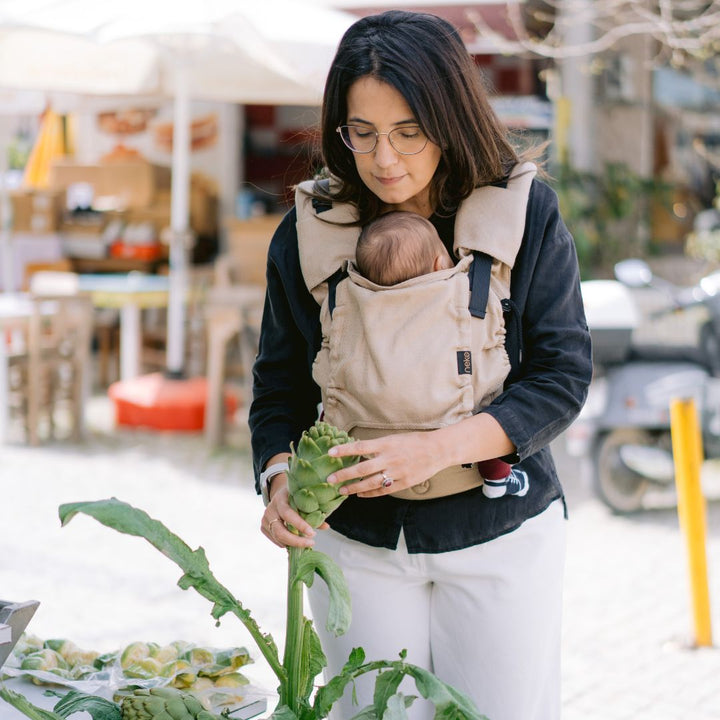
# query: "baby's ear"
x,y
442,262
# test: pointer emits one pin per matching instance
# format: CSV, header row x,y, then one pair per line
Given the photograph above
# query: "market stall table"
x,y
130,293
38,695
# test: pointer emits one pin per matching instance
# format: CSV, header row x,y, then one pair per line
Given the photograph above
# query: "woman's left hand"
x,y
392,463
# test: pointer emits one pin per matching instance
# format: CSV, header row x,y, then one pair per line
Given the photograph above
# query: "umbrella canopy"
x,y
274,51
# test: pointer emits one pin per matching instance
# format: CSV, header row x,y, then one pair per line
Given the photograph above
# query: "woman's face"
x,y
402,182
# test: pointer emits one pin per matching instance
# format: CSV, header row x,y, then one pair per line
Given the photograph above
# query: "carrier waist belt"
x,y
450,481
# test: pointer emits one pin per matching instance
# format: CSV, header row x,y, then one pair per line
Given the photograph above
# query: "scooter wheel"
x,y
619,487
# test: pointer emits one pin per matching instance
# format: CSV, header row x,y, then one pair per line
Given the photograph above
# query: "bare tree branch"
x,y
689,29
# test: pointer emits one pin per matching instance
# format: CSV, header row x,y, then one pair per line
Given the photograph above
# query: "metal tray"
x,y
17,615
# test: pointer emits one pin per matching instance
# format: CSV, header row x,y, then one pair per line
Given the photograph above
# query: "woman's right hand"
x,y
278,515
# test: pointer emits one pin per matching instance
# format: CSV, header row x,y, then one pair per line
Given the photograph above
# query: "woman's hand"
x,y
410,458
392,463
278,515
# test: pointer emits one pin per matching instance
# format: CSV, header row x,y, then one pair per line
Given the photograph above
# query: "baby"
x,y
398,246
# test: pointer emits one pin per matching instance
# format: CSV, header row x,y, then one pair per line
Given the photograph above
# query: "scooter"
x,y
624,428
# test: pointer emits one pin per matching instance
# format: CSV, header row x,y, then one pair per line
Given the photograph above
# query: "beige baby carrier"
x,y
424,353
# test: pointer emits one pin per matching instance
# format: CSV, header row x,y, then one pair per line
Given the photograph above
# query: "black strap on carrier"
x,y
480,272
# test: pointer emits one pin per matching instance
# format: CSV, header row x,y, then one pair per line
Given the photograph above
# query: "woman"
x,y
470,587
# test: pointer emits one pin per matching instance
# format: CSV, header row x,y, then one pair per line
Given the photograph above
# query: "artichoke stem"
x,y
293,658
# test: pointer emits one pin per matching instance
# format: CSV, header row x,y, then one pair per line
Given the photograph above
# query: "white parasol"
x,y
273,51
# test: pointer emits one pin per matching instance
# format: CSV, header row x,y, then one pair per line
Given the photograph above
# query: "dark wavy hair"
x,y
423,57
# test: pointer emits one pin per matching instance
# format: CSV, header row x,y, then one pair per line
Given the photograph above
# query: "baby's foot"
x,y
516,483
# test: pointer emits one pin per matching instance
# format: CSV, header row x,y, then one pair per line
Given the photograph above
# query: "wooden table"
x,y
129,293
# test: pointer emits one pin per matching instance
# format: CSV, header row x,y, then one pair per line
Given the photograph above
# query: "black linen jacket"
x,y
549,348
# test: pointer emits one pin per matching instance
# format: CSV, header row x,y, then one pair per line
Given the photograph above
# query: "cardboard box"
x,y
36,211
204,209
121,184
247,245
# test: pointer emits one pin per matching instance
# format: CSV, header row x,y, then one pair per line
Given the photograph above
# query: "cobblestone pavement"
x,y
628,622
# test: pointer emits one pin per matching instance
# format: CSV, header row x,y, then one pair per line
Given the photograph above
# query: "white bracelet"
x,y
267,475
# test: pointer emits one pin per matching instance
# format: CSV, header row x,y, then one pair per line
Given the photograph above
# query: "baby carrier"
x,y
424,353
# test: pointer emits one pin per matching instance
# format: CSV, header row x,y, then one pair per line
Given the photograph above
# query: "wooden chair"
x,y
233,311
58,353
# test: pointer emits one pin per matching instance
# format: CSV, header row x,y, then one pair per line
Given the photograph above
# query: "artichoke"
x,y
165,654
133,653
309,466
46,659
199,656
145,668
231,680
164,703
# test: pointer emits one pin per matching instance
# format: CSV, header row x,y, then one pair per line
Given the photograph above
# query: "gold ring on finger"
x,y
270,527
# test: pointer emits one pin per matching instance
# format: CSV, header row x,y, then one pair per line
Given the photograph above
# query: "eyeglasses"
x,y
407,140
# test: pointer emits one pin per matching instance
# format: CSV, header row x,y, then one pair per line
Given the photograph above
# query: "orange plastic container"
x,y
154,401
151,251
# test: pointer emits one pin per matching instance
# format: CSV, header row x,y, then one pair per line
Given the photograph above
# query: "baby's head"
x,y
398,246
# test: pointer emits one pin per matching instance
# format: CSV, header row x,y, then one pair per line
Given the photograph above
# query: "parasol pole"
x,y
180,235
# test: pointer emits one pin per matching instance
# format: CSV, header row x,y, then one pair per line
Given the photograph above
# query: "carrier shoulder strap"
x,y
326,237
480,272
492,218
491,221
332,283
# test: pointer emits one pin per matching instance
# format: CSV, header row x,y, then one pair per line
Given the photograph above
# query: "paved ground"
x,y
628,625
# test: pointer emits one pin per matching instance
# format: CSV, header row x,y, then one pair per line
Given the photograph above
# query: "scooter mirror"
x,y
634,273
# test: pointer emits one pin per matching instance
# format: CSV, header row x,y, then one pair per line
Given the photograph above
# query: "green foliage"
x,y
303,659
18,151
97,707
705,244
21,703
608,214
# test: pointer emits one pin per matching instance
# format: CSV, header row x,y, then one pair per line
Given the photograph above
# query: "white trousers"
x,y
485,619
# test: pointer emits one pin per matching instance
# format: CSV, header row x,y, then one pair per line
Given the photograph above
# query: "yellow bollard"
x,y
688,455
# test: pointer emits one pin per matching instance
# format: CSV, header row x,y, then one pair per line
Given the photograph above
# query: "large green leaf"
x,y
339,612
129,520
397,707
98,707
450,704
314,655
21,703
283,712
328,694
367,713
386,686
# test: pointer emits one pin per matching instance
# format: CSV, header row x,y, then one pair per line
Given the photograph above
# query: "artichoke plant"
x,y
163,703
303,659
157,703
310,465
